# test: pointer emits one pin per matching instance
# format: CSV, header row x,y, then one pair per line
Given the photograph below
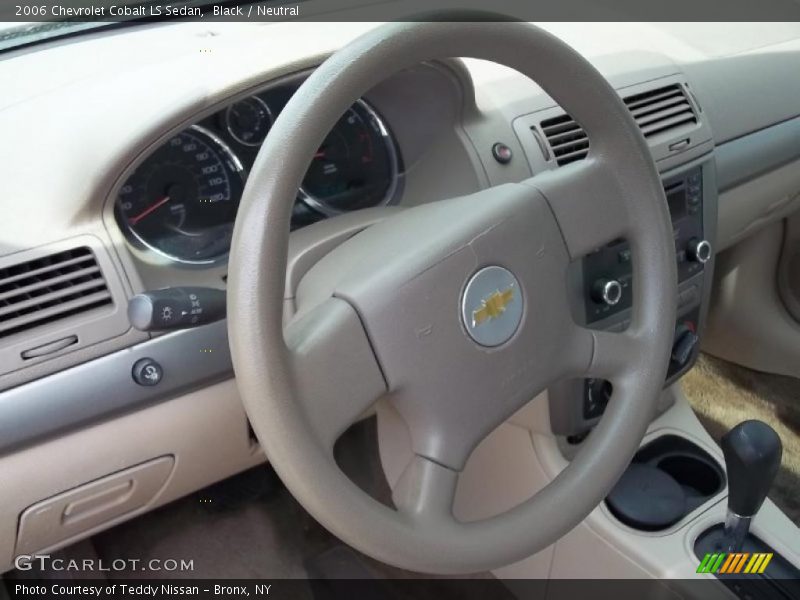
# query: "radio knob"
x,y
607,291
699,250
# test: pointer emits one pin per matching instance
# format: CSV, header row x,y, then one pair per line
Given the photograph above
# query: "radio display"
x,y
677,201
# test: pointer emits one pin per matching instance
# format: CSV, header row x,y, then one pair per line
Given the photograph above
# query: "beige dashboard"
x,y
79,116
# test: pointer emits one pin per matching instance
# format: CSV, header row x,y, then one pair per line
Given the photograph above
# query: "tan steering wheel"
x,y
395,310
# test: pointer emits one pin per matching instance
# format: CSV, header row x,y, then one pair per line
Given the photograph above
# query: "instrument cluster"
x,y
181,200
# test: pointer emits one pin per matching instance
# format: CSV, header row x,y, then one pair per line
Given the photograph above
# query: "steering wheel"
x,y
457,310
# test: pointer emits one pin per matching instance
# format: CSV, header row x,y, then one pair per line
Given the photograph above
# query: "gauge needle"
x,y
320,154
148,210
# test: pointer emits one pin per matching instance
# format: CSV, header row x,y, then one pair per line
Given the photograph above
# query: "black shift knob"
x,y
752,452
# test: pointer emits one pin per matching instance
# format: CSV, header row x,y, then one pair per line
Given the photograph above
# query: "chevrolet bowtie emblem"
x,y
493,306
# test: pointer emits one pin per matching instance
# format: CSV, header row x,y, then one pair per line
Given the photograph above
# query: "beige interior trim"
x,y
748,323
789,268
206,430
750,207
214,415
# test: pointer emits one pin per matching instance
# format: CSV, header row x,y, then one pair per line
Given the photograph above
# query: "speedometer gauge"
x,y
181,201
355,167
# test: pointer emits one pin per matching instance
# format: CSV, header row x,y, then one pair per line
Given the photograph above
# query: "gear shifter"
x,y
752,452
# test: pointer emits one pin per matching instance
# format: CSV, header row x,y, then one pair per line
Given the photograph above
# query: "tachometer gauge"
x,y
181,201
249,121
355,167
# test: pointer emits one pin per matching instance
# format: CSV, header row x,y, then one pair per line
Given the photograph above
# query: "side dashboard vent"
x,y
661,110
566,138
50,288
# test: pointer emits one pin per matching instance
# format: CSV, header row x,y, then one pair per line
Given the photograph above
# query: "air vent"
x,y
567,139
660,110
655,111
50,288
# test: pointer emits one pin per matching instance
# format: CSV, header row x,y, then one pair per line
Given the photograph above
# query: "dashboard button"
x,y
147,371
502,153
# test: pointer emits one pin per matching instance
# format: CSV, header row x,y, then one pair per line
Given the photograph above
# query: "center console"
x,y
601,293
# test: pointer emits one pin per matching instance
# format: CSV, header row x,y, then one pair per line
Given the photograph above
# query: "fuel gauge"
x,y
249,121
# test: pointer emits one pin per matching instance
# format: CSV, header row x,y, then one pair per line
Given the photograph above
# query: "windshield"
x,y
13,35
24,25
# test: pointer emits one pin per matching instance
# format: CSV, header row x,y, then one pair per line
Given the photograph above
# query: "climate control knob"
x,y
699,250
607,291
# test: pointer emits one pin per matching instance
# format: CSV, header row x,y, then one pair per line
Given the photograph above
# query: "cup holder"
x,y
696,477
668,478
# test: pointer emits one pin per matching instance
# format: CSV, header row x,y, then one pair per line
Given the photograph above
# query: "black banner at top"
x,y
51,11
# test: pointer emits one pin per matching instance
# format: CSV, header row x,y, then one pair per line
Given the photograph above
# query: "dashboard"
x,y
181,200
136,190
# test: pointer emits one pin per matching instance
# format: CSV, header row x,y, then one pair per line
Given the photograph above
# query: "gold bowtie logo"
x,y
493,306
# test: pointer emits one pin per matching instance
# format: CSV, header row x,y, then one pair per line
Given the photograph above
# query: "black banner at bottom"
x,y
400,589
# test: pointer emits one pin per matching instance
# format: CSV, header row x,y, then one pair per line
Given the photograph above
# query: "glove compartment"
x,y
56,520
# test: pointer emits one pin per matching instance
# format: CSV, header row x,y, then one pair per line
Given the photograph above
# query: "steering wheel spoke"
x,y
426,490
614,354
611,354
587,201
336,374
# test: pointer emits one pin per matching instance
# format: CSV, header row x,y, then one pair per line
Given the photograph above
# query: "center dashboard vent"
x,y
50,288
655,112
660,110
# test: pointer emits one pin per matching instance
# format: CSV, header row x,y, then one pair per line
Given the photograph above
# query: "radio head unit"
x,y
602,293
607,271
